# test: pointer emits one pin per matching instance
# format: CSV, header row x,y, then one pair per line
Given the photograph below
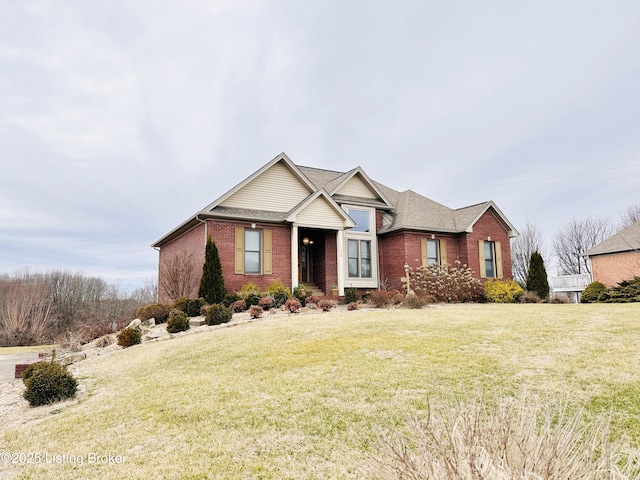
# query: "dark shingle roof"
x,y
624,241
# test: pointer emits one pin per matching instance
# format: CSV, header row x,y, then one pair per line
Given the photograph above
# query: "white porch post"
x,y
294,256
341,261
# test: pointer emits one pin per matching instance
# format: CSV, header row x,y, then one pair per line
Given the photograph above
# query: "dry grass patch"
x,y
300,396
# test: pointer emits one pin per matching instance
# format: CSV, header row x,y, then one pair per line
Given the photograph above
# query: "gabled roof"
x,y
408,210
466,217
626,240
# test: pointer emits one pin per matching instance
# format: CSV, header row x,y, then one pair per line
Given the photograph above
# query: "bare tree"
x,y
530,240
630,216
575,238
26,309
178,277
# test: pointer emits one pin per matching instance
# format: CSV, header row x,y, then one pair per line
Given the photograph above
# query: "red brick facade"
x,y
394,250
612,268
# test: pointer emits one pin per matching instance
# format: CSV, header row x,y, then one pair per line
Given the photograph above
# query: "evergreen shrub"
x,y
190,306
129,336
178,322
48,382
158,311
592,292
217,313
502,291
350,295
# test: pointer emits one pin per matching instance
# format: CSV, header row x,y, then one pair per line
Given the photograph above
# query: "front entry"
x,y
306,259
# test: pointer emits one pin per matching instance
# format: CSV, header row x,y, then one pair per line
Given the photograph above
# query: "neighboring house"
x,y
617,258
321,227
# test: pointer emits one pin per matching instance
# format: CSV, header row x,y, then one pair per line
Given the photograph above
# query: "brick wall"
x,y
612,268
223,234
486,226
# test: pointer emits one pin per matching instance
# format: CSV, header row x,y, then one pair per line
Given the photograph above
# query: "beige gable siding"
x,y
319,214
276,190
356,187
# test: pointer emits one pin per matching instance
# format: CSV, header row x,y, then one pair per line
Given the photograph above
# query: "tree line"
x,y
36,308
569,243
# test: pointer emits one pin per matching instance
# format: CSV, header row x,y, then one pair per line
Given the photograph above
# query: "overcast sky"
x,y
120,119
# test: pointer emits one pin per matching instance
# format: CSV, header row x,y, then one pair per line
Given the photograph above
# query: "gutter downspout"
x,y
206,227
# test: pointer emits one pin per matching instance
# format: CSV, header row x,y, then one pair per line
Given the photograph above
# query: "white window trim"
x,y
359,282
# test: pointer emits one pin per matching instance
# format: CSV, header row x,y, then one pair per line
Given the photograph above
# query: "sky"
x,y
120,119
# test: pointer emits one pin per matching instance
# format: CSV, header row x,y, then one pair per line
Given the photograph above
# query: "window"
x,y
252,251
359,258
489,260
432,252
361,217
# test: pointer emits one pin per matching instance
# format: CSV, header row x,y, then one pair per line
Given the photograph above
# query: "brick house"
x,y
323,228
617,258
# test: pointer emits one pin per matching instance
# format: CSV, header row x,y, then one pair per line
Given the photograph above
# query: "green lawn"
x,y
299,397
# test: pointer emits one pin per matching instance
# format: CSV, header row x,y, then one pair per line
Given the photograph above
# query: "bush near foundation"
x,y
158,311
592,292
178,322
190,306
502,291
48,382
217,313
446,283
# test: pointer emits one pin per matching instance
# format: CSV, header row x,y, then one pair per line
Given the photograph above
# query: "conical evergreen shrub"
x,y
212,282
537,277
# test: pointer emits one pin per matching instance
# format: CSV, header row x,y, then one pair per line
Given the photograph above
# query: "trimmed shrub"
x,y
230,298
300,292
238,306
350,295
592,292
266,303
325,305
352,306
313,299
178,322
129,336
158,311
253,299
190,306
48,382
293,305
279,292
217,313
385,298
411,300
255,311
502,291
247,289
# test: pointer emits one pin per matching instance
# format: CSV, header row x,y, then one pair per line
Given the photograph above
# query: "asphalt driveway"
x,y
8,364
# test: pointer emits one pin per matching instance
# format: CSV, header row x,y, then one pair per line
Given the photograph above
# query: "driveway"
x,y
8,364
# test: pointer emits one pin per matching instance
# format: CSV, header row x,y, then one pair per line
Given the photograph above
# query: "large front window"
x,y
359,253
361,217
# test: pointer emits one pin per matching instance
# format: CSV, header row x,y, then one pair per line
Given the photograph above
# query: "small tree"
x,y
537,277
212,283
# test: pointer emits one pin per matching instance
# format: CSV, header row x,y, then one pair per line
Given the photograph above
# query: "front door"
x,y
306,263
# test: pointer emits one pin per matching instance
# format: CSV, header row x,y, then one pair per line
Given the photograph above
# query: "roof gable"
x,y
467,217
279,176
320,211
625,240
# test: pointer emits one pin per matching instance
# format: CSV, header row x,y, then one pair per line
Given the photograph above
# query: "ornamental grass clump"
x,y
446,283
509,438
